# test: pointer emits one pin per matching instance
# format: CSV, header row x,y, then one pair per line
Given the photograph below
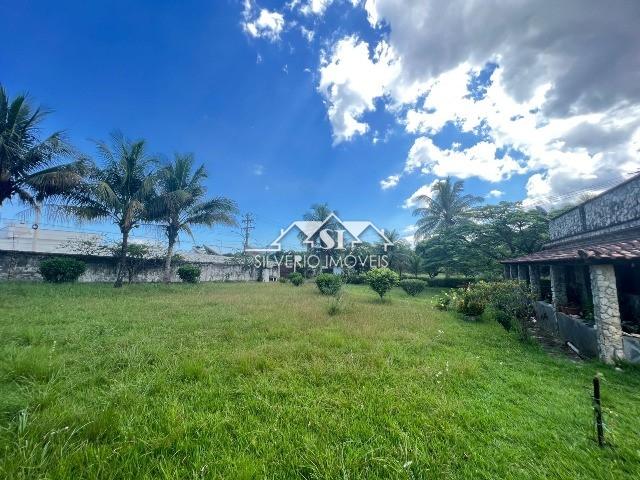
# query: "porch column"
x,y
523,272
507,271
606,312
558,285
534,282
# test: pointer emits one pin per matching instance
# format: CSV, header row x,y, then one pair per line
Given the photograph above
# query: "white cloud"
x,y
315,7
424,191
410,229
563,106
264,24
307,33
479,161
258,169
350,81
389,182
495,194
566,94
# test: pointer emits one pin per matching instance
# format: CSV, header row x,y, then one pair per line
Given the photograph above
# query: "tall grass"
x,y
260,381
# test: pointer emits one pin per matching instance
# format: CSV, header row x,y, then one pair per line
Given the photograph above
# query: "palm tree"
x,y
447,206
398,255
318,212
180,204
118,190
30,168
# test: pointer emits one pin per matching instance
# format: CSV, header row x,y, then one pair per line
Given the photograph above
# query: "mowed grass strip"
x,y
259,381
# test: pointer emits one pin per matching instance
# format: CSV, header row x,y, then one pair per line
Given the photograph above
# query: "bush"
x,y
381,280
296,278
59,270
189,273
413,286
282,279
329,284
445,300
508,302
355,278
453,282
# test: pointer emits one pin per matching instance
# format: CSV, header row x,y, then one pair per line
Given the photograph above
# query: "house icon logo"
x,y
328,234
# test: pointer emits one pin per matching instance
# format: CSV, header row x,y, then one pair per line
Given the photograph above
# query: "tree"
x,y
508,230
475,247
318,213
415,264
181,204
30,168
120,190
399,254
446,207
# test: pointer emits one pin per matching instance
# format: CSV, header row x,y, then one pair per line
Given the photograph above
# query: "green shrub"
x,y
282,279
59,269
189,273
413,286
452,282
381,280
328,284
354,278
507,302
296,278
445,300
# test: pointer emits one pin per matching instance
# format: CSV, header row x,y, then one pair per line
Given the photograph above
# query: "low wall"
x,y
24,266
631,347
567,328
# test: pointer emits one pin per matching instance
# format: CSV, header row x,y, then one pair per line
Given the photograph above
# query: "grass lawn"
x,y
258,381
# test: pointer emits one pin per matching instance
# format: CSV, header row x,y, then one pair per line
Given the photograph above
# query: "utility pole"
x,y
247,226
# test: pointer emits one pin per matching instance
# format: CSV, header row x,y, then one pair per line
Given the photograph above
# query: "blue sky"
x,y
253,99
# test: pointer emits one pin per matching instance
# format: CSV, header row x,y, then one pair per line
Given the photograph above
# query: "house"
x,y
25,237
311,229
593,263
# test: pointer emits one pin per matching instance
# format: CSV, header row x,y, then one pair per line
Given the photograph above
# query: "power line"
x,y
557,198
247,225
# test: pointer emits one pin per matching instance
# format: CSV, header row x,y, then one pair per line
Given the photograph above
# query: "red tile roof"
x,y
621,249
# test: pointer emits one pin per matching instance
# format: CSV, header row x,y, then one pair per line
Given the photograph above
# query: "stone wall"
x,y
566,225
24,266
606,312
620,205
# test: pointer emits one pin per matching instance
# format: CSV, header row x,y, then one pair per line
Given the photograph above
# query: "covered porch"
x,y
588,295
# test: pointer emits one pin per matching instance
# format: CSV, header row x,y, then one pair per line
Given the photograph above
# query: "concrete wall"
x,y
631,345
24,266
618,206
568,329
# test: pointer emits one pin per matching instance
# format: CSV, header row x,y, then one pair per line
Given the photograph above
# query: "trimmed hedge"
x,y
453,282
354,278
413,286
189,273
59,269
328,284
296,278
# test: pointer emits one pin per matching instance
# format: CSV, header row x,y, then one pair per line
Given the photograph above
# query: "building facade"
x,y
593,265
